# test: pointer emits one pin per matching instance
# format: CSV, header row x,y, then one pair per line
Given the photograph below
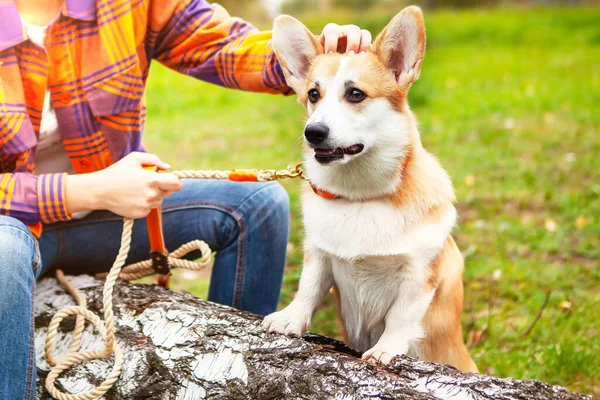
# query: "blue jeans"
x,y
246,223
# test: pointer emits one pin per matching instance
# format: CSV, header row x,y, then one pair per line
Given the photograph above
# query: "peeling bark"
x,y
180,347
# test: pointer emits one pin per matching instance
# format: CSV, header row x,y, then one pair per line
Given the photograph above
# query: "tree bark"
x,y
180,347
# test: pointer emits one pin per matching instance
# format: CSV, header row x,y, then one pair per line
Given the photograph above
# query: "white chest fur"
x,y
368,287
349,230
352,229
378,257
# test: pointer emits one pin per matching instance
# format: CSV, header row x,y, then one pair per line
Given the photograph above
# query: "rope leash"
x,y
106,327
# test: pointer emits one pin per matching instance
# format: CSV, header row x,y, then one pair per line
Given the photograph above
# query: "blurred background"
x,y
508,100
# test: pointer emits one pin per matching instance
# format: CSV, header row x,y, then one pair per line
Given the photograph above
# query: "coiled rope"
x,y
106,327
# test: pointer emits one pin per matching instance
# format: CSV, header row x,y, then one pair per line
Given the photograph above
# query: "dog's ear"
x,y
296,47
401,46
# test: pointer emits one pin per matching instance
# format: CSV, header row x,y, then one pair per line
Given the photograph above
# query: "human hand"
x,y
349,39
125,188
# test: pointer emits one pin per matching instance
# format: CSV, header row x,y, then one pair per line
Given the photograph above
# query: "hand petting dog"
x,y
349,39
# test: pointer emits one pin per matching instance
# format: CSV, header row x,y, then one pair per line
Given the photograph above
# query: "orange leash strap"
x,y
158,250
244,175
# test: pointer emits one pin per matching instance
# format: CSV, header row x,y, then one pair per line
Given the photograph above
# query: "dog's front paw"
x,y
288,321
384,353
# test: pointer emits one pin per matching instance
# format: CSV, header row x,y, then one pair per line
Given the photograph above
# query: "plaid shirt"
x,y
95,66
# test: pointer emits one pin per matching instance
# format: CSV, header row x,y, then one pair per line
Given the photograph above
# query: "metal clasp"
x,y
295,171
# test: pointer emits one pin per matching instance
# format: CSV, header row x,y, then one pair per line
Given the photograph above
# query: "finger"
x,y
329,37
147,159
138,213
160,195
353,36
152,194
155,203
164,194
326,31
154,198
168,182
365,40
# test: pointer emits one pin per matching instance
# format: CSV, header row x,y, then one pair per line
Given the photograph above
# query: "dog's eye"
x,y
313,95
354,95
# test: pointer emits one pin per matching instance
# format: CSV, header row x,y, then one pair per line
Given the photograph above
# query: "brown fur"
x,y
444,341
430,195
410,20
372,78
423,190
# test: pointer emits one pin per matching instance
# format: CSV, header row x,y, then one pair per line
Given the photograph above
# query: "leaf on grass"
x,y
526,218
549,118
570,157
550,225
496,275
469,180
566,305
476,337
581,221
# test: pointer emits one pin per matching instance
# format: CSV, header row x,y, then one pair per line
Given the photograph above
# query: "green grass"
x,y
509,102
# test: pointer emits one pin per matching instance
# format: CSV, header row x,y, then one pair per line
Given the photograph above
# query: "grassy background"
x,y
509,102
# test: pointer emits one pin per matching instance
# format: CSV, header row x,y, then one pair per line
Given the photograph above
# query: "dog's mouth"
x,y
325,156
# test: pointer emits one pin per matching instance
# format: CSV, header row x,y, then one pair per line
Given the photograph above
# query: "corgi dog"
x,y
379,210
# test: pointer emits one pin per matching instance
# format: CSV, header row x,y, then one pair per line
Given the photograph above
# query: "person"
x,y
72,84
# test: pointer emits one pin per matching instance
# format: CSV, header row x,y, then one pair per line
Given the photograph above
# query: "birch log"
x,y
180,347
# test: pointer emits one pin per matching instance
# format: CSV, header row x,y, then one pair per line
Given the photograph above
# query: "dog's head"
x,y
356,103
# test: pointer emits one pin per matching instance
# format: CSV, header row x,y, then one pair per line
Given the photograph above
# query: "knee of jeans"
x,y
225,228
279,201
18,253
12,222
271,205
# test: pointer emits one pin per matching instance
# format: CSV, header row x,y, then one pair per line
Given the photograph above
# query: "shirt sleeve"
x,y
204,41
32,199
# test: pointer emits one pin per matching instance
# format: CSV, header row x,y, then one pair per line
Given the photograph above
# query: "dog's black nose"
x,y
316,133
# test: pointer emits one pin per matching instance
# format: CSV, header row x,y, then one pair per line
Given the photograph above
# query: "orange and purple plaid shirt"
x,y
95,66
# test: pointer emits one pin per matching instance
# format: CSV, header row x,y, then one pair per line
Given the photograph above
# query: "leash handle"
x,y
158,250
